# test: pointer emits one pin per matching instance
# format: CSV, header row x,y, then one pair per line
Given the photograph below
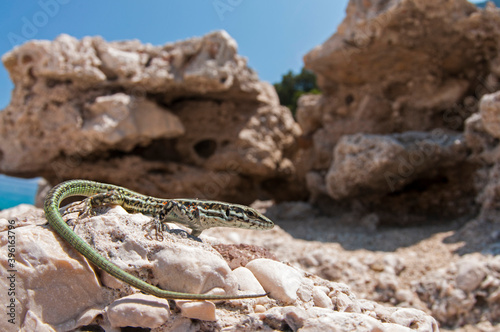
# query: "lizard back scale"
x,y
195,214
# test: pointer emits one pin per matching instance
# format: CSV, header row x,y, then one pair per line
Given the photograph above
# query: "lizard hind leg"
x,y
102,199
158,227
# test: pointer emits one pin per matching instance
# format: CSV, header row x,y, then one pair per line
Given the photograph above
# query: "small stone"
x,y
390,327
342,321
280,280
489,108
305,290
321,299
192,269
294,317
202,310
470,275
404,295
415,319
343,302
259,309
247,282
138,310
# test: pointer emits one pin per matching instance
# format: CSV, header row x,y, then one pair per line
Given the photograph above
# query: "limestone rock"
x,y
367,164
188,119
461,291
197,310
281,281
247,281
382,73
139,310
53,286
489,108
482,139
128,241
192,269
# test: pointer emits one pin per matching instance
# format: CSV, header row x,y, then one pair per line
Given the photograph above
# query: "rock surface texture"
x,y
399,79
186,119
59,291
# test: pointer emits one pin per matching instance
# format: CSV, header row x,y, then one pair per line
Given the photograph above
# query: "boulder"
x,y
404,67
186,119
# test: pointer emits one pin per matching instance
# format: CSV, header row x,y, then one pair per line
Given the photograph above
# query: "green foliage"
x,y
293,86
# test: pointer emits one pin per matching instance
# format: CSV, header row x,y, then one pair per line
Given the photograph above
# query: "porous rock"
x,y
365,164
129,241
489,109
188,119
53,286
481,134
382,73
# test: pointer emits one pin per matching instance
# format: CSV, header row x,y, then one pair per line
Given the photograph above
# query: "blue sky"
x,y
272,34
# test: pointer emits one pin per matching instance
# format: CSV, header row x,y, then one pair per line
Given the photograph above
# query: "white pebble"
x,y
203,310
280,280
470,275
321,299
138,310
247,282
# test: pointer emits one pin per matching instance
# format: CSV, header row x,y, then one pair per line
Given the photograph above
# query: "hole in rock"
x,y
135,329
349,99
205,148
92,328
25,59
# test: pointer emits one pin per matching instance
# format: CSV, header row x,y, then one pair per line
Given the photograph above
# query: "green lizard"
x,y
195,214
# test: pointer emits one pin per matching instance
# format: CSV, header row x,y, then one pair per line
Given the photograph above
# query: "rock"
x,y
280,280
459,292
138,310
189,119
381,74
365,164
481,138
203,310
489,108
414,319
321,299
240,254
192,269
247,282
470,275
385,167
53,286
122,122
128,241
343,302
343,321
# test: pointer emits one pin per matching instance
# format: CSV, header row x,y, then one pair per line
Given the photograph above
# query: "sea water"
x,y
15,191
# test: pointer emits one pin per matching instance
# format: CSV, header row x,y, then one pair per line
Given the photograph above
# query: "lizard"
x,y
193,213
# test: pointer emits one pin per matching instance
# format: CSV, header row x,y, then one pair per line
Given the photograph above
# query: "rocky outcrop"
x,y
482,131
183,119
394,75
59,291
